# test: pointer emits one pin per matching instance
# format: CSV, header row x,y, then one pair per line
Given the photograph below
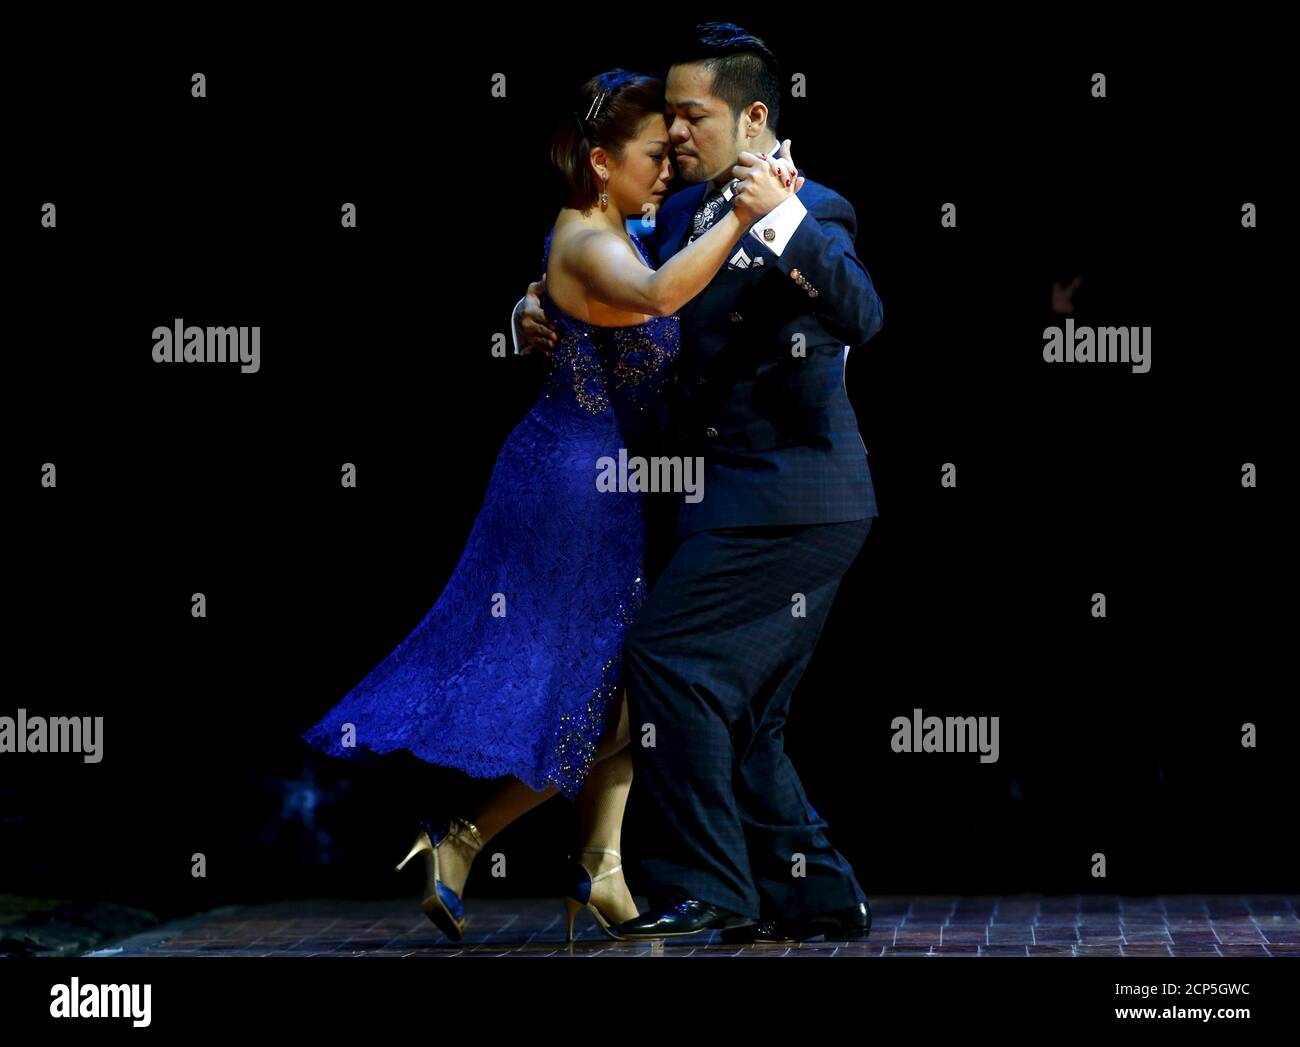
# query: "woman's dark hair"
x,y
744,68
625,100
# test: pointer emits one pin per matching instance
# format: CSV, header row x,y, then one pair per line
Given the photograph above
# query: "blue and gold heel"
x,y
441,904
578,896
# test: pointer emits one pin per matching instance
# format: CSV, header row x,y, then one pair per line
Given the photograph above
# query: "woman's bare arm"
x,y
610,270
612,273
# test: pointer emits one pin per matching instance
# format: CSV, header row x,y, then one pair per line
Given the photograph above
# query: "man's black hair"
x,y
744,69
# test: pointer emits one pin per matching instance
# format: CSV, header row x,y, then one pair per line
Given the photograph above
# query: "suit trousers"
x,y
710,665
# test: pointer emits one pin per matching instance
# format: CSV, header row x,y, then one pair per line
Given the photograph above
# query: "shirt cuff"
x,y
782,220
514,333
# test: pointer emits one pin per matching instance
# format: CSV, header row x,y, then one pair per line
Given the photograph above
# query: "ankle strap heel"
x,y
578,895
441,904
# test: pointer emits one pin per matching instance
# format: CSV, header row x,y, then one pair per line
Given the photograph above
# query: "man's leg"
x,y
683,665
780,823
710,665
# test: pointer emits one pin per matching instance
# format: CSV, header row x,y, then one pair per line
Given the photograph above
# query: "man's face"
x,y
705,136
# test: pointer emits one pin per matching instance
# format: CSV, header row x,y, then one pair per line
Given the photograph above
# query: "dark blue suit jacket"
x,y
777,433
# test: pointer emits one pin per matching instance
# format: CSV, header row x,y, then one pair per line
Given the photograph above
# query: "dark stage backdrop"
x,y
1120,735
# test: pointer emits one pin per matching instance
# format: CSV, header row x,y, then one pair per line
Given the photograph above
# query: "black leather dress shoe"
x,y
840,925
688,917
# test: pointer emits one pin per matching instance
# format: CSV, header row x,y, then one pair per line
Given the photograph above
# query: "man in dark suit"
x,y
730,624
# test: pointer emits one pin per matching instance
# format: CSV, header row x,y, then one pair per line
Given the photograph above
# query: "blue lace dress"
x,y
513,670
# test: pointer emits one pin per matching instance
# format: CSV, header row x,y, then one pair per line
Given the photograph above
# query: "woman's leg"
x,y
600,816
601,803
510,799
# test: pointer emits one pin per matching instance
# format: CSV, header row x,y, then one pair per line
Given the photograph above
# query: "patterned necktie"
x,y
711,208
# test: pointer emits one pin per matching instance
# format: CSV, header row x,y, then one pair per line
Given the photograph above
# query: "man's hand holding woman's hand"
x,y
766,182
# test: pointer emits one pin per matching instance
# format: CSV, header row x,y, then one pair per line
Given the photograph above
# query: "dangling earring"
x,y
604,196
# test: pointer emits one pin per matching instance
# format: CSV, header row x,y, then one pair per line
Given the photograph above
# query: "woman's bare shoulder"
x,y
574,242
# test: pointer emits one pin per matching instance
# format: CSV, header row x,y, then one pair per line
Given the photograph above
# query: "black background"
x,y
1119,735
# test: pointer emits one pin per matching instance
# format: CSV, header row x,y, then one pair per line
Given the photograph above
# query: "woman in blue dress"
x,y
514,674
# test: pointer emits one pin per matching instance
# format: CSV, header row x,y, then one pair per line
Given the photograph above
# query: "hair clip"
x,y
594,111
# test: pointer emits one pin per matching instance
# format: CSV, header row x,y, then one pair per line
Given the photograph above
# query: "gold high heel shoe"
x,y
579,895
440,903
